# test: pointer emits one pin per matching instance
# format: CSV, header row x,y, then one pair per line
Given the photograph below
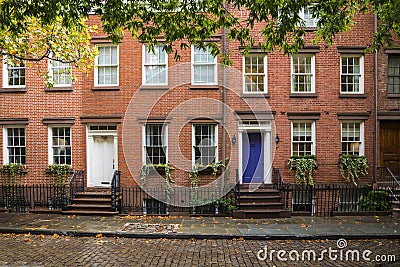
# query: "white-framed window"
x,y
14,74
255,74
60,146
106,72
155,66
307,16
352,74
14,149
353,137
303,138
303,73
204,67
60,73
155,143
205,144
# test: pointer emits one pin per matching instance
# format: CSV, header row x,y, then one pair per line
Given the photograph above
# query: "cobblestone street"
x,y
40,250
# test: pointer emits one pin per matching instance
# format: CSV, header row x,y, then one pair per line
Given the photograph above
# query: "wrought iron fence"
x,y
152,200
21,198
331,199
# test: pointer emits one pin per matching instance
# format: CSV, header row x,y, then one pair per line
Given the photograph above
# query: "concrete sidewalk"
x,y
203,227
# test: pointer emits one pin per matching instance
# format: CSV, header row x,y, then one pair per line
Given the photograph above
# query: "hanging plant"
x,y
216,166
194,176
304,166
12,173
144,172
60,172
352,166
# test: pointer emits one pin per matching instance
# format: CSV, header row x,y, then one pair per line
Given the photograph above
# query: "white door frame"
x,y
264,128
89,147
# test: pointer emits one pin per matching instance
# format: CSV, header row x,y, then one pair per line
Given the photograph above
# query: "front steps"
x,y
261,203
96,203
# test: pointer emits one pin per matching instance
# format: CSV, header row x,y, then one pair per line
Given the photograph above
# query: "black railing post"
x,y
237,191
64,199
115,188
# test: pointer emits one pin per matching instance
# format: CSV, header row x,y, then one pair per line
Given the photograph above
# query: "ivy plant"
x,y
352,166
60,172
304,167
12,172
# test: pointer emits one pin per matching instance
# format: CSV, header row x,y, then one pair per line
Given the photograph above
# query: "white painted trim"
x,y
50,70
266,132
361,85
194,140
143,143
361,148
313,135
50,142
312,74
265,62
96,68
192,69
5,151
5,76
144,51
89,148
5,141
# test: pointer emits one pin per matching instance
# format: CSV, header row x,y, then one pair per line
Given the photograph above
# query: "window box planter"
x,y
351,167
304,167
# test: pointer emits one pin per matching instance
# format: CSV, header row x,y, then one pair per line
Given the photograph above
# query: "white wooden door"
x,y
103,160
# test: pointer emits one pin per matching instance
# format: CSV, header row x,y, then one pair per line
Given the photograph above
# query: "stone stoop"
x,y
91,202
262,203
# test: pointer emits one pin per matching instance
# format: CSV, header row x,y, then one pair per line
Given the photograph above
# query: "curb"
x,y
194,236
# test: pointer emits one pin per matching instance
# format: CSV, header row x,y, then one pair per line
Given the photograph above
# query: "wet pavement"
x,y
185,227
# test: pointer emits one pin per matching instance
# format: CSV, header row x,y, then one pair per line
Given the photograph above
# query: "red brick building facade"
x,y
139,107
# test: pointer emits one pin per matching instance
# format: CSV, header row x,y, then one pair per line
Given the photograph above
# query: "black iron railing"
x,y
331,199
75,185
237,189
386,180
152,200
115,191
21,198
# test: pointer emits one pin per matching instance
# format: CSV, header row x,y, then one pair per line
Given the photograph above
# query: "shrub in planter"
x,y
304,167
352,166
375,201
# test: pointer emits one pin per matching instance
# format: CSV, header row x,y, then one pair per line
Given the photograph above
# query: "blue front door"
x,y
252,158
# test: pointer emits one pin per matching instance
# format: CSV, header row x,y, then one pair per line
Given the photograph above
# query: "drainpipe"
x,y
223,102
376,103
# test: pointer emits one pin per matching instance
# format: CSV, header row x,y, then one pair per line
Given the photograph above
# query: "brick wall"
x,y
177,103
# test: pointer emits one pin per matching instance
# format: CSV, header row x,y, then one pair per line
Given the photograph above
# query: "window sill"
x,y
13,90
352,96
310,29
24,171
106,88
259,95
393,95
154,87
303,95
59,89
204,87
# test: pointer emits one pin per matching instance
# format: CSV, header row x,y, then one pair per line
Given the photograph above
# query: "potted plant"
x,y
352,166
304,167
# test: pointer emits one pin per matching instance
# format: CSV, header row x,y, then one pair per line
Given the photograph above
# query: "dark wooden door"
x,y
390,146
